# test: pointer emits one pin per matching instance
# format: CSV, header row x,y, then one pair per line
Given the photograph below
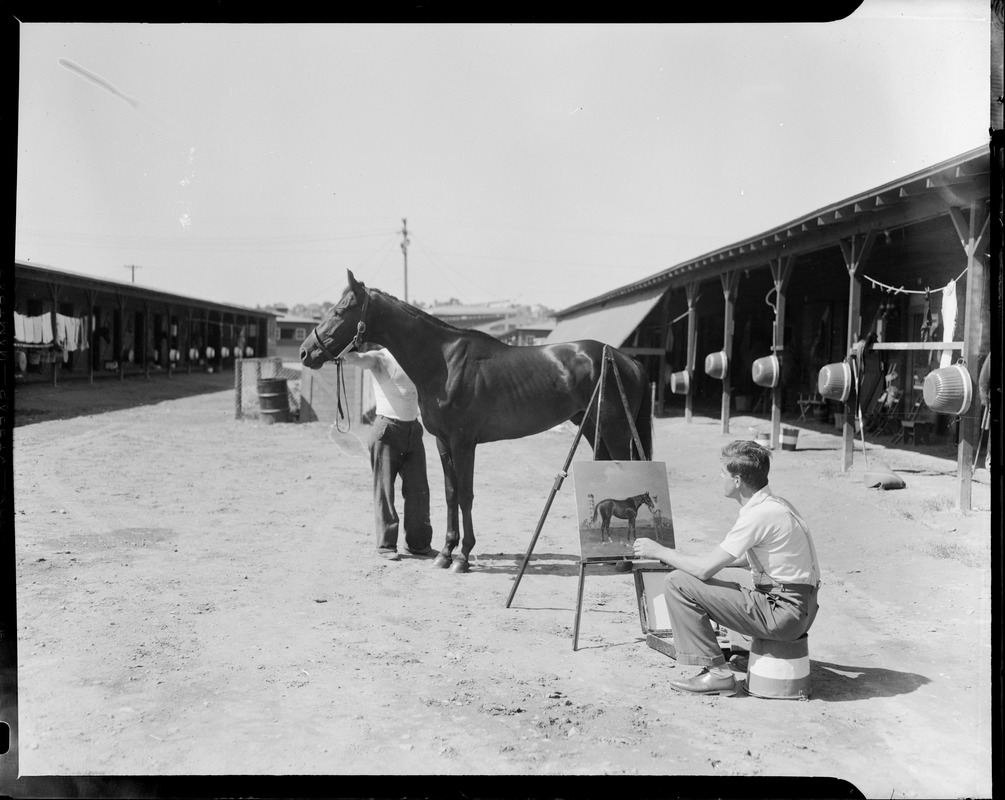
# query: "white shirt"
x,y
396,395
775,540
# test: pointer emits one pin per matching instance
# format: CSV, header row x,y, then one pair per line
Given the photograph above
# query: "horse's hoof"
x,y
441,561
460,565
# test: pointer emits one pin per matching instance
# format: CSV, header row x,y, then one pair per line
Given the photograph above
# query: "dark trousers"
x,y
396,449
780,613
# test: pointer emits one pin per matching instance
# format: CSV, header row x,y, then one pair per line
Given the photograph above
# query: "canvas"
x,y
618,502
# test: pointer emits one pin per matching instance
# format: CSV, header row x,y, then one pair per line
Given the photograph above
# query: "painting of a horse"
x,y
622,509
474,388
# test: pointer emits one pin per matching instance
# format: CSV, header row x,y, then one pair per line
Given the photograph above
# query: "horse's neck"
x,y
410,338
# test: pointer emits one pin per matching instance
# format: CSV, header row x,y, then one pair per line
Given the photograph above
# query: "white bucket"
x,y
779,670
834,381
716,365
789,438
949,390
679,382
765,371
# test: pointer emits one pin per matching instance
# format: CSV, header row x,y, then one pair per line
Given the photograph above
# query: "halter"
x,y
340,391
357,340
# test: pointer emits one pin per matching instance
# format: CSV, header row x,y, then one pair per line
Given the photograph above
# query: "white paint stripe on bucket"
x,y
783,669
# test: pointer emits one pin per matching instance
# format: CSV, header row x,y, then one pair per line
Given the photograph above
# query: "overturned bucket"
x,y
949,390
834,381
789,438
779,670
679,382
716,365
273,404
765,371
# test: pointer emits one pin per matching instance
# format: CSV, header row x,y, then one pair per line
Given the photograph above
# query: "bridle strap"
x,y
357,340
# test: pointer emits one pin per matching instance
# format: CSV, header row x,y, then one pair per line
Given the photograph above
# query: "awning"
x,y
611,324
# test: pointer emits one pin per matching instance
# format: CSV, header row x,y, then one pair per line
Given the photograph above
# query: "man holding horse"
x,y
772,539
396,449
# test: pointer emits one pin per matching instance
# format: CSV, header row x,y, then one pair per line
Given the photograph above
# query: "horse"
x,y
622,509
474,388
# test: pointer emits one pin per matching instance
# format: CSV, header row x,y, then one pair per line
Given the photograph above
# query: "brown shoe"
x,y
424,553
389,555
706,683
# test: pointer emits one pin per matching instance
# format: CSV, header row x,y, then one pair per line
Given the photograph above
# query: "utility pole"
x,y
404,249
133,267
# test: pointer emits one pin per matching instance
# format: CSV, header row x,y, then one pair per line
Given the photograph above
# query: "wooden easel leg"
x,y
554,489
579,606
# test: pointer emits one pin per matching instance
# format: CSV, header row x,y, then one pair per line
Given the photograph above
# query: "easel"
x,y
596,399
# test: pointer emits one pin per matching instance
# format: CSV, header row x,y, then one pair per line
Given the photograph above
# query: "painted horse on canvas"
x,y
474,388
622,509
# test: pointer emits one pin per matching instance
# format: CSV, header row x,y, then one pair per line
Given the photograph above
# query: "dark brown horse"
x,y
622,509
473,389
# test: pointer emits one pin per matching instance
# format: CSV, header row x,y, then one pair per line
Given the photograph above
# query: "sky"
x,y
534,163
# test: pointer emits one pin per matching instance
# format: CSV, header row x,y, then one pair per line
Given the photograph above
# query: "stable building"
x,y
68,325
873,291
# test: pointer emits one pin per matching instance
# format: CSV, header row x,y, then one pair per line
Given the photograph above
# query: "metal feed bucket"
x,y
949,390
779,670
765,371
716,365
789,438
273,403
679,382
834,381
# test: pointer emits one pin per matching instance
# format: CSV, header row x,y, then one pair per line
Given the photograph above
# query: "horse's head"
x,y
343,324
649,501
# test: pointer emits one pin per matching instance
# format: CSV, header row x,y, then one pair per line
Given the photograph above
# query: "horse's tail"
x,y
596,510
644,418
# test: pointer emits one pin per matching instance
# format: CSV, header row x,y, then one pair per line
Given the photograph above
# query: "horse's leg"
x,y
450,490
464,471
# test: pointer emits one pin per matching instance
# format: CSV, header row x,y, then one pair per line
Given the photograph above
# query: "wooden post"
x,y
91,294
664,327
121,335
973,235
146,338
855,251
693,291
781,271
167,341
188,342
730,285
54,294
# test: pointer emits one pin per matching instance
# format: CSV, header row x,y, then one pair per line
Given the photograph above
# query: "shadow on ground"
x,y
40,402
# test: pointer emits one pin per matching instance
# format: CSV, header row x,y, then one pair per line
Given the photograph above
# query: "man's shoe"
x,y
706,683
424,553
389,555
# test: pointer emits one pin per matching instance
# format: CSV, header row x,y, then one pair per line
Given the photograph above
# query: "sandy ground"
x,y
199,595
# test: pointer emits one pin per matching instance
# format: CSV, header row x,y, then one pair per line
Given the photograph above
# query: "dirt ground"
x,y
199,595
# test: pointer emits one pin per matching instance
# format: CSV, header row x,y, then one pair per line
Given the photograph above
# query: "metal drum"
x,y
779,670
789,438
834,381
273,403
765,371
949,390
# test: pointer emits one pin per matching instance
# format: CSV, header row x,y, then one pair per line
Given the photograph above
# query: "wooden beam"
x,y
692,291
976,338
781,272
730,287
917,346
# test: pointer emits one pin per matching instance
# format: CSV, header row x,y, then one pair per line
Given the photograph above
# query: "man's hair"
x,y
749,460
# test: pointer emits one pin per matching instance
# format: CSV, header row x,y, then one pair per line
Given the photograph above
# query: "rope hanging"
x,y
901,290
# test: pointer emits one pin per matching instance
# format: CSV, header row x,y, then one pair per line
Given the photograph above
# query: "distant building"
x,y
523,330
291,330
473,316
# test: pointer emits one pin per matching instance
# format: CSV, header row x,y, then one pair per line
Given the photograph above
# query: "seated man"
x,y
770,537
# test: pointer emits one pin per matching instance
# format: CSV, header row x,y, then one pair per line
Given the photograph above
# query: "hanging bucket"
x,y
716,365
765,371
789,438
272,400
679,382
210,352
224,352
779,670
193,354
22,361
949,390
834,381
249,352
